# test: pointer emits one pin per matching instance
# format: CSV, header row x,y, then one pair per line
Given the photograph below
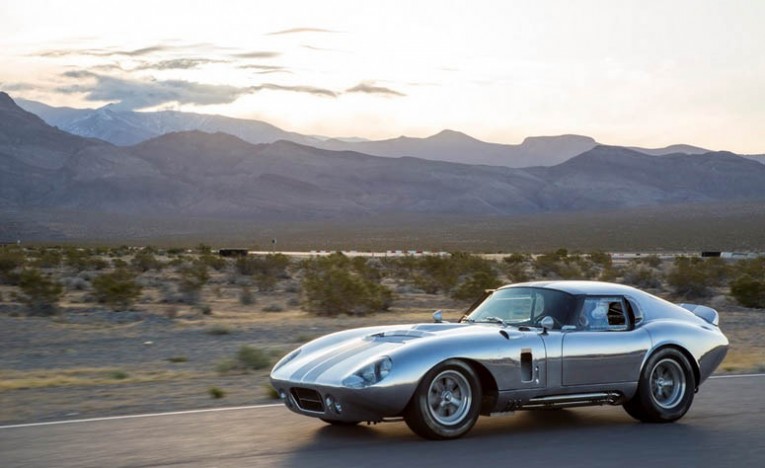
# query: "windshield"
x,y
525,306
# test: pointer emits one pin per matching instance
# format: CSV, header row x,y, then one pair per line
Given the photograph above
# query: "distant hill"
x,y
124,128
195,173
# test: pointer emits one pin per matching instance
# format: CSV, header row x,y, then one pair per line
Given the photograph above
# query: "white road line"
x,y
233,408
735,376
132,416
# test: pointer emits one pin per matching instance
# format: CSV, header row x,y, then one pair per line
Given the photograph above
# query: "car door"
x,y
605,346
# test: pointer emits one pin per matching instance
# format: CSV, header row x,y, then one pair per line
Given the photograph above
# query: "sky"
x,y
640,73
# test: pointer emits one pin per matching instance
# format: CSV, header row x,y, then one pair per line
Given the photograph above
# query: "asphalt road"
x,y
725,427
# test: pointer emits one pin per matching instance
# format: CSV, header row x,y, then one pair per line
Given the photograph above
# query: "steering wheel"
x,y
538,321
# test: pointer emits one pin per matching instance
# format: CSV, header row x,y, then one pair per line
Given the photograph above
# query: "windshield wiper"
x,y
492,319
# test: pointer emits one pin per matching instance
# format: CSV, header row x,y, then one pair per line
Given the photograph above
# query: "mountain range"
x,y
195,173
126,128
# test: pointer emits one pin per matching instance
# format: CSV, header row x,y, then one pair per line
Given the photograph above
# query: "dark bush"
x,y
252,358
144,260
193,277
47,258
748,291
117,289
476,285
265,269
330,287
40,292
689,278
642,277
10,260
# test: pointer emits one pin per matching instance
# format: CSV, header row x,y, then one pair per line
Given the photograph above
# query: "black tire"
x,y
665,390
446,403
337,423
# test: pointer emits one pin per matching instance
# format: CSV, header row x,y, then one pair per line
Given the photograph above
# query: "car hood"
x,y
329,360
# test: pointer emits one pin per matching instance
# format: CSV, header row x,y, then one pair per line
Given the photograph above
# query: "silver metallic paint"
x,y
595,367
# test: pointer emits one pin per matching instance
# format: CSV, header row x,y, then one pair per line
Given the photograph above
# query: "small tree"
x,y
118,289
39,292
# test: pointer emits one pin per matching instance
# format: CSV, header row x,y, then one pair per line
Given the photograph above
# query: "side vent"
x,y
526,365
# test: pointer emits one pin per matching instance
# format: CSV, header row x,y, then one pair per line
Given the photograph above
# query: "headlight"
x,y
286,359
370,374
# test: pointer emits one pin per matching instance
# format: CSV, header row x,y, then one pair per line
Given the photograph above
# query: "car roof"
x,y
596,288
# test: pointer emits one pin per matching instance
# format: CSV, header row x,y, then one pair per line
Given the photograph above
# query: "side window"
x,y
603,314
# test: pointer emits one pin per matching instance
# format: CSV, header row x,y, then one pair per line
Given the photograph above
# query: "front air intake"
x,y
307,399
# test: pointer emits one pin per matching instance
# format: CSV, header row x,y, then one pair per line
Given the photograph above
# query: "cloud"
x,y
370,88
300,30
135,94
258,54
131,95
263,67
297,89
177,64
104,52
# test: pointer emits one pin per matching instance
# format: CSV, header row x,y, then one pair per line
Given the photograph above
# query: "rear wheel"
x,y
446,403
665,390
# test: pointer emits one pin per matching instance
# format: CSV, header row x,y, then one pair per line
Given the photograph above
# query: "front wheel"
x,y
446,403
665,390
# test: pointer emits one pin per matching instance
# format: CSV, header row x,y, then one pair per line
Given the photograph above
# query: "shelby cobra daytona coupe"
x,y
524,346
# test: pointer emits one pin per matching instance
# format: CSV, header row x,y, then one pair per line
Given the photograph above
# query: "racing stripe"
x,y
316,366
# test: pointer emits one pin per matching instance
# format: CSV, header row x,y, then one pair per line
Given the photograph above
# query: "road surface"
x,y
725,427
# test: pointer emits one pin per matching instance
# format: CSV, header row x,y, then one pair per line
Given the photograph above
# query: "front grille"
x,y
307,399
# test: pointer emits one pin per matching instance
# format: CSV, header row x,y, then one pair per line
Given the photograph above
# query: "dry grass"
x,y
82,377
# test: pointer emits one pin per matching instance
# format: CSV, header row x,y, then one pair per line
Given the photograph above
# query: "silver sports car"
x,y
524,346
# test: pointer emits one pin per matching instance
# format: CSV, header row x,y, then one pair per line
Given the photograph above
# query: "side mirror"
x,y
438,316
547,324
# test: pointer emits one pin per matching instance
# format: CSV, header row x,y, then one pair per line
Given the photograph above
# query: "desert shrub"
x,y
475,286
601,258
754,267
118,375
178,359
249,357
642,277
749,291
193,277
690,278
246,297
213,261
218,330
330,287
144,260
47,258
119,263
516,267
203,249
265,269
216,393
560,265
10,261
83,259
435,274
118,289
653,261
40,293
